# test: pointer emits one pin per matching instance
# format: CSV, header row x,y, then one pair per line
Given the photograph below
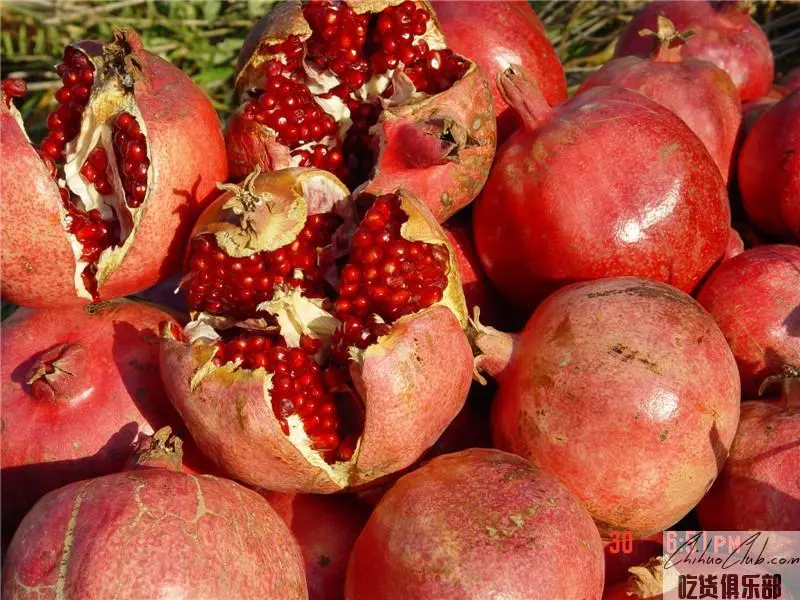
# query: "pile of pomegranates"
x,y
418,324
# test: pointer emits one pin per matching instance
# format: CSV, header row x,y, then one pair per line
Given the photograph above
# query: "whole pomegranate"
x,y
697,91
327,348
326,528
497,35
769,170
79,385
723,33
759,488
478,290
755,300
154,532
646,582
477,524
623,388
104,208
368,91
607,184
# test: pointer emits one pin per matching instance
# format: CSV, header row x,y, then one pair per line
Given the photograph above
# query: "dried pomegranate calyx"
x,y
298,316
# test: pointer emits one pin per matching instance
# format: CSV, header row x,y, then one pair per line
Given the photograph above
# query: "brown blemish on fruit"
x,y
563,332
240,412
627,355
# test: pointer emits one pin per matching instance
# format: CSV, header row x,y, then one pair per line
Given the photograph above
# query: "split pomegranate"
x,y
652,201
78,386
623,388
497,35
646,582
755,300
699,92
326,528
328,347
368,91
723,33
477,524
104,208
154,532
759,488
769,170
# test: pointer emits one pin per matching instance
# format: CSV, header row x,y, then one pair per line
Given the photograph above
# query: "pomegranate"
x,y
327,349
477,524
697,91
623,388
497,35
478,290
154,532
752,111
78,386
646,582
652,202
755,300
104,208
723,33
619,557
769,170
326,527
759,488
735,245
369,91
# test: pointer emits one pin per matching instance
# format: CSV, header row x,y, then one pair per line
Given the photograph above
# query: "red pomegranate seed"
x,y
130,148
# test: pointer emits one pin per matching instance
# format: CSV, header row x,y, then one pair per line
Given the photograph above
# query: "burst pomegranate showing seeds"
x,y
368,91
154,532
78,387
623,388
646,199
104,209
327,348
477,524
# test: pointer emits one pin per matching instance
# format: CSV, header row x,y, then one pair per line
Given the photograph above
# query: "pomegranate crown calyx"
x,y
669,38
122,55
789,378
162,449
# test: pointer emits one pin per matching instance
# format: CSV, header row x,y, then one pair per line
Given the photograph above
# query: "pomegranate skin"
x,y
769,170
477,524
497,35
792,80
657,209
735,245
755,300
618,381
154,533
37,261
413,382
759,488
326,528
725,36
63,428
700,93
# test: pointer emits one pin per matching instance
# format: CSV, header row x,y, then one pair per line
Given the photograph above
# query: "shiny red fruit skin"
x,y
755,299
611,184
769,170
725,36
496,35
38,264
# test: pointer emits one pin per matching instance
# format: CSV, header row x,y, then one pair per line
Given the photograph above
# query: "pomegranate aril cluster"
x,y
222,284
386,276
298,385
130,147
391,39
95,171
63,124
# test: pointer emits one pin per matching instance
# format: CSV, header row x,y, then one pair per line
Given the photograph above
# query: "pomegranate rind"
x,y
153,530
477,524
625,389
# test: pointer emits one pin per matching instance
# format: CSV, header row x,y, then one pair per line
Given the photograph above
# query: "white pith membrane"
x,y
295,314
404,94
111,95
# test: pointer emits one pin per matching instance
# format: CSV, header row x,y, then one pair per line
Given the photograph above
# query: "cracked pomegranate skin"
x,y
759,488
725,36
37,261
154,533
700,93
755,300
80,425
497,34
626,390
609,184
477,524
769,170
